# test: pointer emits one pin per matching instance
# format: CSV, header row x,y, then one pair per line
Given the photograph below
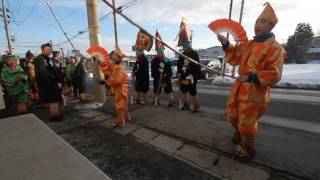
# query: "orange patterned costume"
x,y
248,101
260,67
117,81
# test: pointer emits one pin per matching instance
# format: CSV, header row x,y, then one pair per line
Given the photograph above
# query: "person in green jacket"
x,y
16,84
69,72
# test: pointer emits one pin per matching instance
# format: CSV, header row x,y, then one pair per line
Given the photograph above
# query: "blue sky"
x,y
33,27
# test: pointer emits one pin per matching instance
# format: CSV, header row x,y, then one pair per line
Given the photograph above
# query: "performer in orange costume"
x,y
117,80
261,61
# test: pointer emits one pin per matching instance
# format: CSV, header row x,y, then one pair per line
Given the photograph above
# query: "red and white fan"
x,y
103,55
230,26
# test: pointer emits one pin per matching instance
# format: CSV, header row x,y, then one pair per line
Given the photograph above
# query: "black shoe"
x,y
185,107
138,101
244,154
171,104
244,157
236,139
196,108
57,119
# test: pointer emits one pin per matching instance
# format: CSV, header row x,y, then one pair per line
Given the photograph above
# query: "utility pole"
x,y
4,13
241,12
62,54
224,59
240,22
94,36
115,24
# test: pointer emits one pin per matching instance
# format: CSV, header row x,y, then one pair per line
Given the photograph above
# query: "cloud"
x,y
201,13
166,15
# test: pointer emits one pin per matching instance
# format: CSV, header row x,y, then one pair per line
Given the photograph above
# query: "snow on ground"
x,y
219,80
300,76
293,76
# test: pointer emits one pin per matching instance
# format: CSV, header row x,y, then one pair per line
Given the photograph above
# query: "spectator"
x,y
69,71
28,68
79,80
16,84
56,59
49,82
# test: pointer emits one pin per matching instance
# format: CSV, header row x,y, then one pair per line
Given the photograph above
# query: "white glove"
x,y
184,69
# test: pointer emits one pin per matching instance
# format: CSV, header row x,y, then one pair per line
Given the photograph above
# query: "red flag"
x,y
144,41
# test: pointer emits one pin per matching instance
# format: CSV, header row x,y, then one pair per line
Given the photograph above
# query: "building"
x,y
314,51
315,42
211,53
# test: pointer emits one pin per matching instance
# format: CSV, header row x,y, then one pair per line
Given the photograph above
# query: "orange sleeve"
x,y
118,76
233,54
272,71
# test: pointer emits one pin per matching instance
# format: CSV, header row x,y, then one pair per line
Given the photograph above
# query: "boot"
x,y
236,139
171,103
185,107
245,151
120,120
196,107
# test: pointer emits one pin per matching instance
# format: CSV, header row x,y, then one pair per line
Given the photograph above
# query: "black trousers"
x,y
79,86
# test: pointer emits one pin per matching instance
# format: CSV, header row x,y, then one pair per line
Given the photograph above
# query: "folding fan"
x,y
226,25
103,55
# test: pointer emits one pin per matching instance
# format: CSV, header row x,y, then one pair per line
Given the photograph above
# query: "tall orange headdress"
x,y
268,14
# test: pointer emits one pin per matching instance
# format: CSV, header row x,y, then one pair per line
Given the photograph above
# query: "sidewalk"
x,y
30,150
294,153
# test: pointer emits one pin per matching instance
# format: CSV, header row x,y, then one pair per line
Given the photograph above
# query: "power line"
x,y
31,11
17,10
63,18
125,6
84,30
56,19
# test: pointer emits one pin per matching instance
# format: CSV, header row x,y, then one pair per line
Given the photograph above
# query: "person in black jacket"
x,y
56,59
161,72
79,80
49,82
141,73
188,75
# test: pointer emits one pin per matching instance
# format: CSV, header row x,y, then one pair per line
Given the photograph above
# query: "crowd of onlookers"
x,y
43,81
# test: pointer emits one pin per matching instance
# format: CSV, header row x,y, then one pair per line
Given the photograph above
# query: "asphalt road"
x,y
302,105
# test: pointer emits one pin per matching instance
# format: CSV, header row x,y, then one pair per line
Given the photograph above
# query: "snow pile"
x,y
300,76
219,80
305,76
93,105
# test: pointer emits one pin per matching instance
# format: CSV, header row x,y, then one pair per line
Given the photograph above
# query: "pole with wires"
x,y
99,90
224,63
5,20
115,24
240,22
56,19
158,39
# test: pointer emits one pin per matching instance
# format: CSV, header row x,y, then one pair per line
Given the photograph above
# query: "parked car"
x,y
213,64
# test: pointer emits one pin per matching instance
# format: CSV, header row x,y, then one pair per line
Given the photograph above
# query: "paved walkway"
x,y
32,151
284,150
204,141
